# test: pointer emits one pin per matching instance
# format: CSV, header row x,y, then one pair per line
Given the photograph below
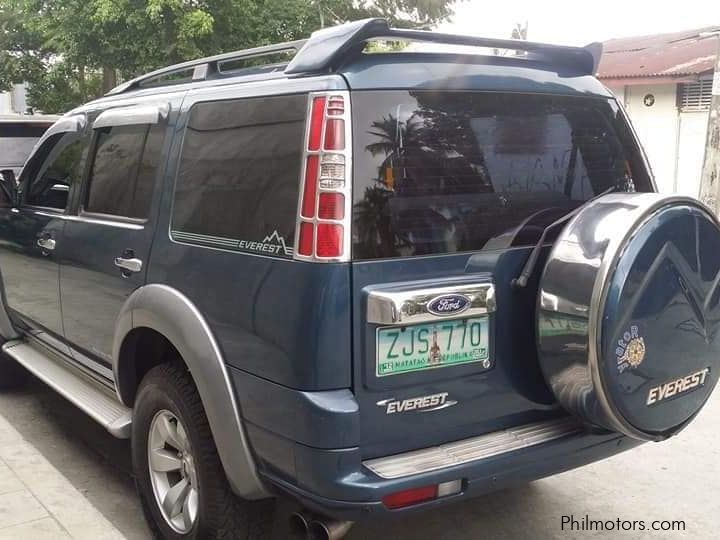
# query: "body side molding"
x,y
169,312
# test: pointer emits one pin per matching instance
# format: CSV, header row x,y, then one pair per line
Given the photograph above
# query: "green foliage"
x,y
72,50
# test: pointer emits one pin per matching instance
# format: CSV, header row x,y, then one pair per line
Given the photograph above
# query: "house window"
x,y
695,96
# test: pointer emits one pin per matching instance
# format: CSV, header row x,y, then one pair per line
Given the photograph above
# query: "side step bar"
x,y
475,448
100,405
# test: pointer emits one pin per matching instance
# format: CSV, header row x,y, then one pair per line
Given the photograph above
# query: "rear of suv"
x,y
373,283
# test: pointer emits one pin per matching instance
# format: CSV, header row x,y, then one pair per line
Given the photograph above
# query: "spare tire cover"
x,y
629,313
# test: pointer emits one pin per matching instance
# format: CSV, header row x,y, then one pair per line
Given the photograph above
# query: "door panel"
x,y
93,287
106,244
29,270
31,233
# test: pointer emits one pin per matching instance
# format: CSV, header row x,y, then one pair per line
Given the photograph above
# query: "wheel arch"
x,y
170,314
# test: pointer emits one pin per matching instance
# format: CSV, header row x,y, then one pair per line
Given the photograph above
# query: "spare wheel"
x,y
629,313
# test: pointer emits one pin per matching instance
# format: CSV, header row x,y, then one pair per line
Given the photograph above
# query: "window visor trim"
x,y
67,124
135,115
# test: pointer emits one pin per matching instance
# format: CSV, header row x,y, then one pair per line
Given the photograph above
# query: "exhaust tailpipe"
x,y
300,525
328,529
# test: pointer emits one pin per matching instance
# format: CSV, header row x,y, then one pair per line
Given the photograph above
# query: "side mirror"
x,y
8,185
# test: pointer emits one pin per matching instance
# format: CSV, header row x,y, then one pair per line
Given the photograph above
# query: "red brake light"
x,y
329,240
305,242
310,190
409,497
317,116
331,206
335,134
323,217
335,106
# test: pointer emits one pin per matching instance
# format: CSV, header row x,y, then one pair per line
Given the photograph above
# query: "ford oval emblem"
x,y
448,304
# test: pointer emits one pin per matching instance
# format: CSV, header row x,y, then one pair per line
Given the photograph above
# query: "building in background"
x,y
14,101
665,82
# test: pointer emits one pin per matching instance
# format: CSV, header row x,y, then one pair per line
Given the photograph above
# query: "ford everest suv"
x,y
375,283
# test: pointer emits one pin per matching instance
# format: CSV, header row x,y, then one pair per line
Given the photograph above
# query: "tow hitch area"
x,y
629,313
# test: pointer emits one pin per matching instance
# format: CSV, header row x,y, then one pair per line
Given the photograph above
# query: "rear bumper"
x,y
307,445
355,493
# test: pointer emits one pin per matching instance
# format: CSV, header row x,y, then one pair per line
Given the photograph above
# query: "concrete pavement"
x,y
62,476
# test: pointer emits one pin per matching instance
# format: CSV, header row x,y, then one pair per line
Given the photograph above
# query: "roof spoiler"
x,y
328,48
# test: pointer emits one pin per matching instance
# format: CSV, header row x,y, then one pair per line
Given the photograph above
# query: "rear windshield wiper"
x,y
524,277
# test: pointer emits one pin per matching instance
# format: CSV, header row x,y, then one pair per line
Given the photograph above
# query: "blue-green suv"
x,y
372,281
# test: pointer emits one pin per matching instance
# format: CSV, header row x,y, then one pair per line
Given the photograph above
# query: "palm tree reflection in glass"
x,y
417,202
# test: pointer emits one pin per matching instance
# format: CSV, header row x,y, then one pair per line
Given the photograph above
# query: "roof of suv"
x,y
538,68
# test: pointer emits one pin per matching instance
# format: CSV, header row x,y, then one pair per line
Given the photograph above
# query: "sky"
x,y
577,22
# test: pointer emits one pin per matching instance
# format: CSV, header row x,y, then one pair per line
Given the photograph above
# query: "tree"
x,y
72,50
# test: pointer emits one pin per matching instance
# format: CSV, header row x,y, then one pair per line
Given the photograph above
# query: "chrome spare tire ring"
x,y
173,474
629,313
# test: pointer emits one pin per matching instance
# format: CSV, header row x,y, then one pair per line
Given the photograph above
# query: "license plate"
x,y
428,346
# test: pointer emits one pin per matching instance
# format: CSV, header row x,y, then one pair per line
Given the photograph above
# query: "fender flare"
x,y
172,314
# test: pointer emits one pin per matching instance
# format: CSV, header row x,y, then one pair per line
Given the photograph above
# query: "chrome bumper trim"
x,y
473,449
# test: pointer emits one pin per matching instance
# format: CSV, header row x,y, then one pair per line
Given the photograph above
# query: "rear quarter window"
x,y
447,172
238,179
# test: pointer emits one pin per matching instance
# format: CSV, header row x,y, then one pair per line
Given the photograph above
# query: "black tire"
x,y
221,514
12,374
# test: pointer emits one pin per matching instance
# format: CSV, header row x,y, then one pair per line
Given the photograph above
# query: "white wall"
x,y
691,152
5,103
673,141
14,101
657,127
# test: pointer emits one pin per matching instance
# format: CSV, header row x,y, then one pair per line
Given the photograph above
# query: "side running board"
x,y
100,405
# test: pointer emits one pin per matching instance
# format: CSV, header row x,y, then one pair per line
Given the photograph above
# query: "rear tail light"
x,y
331,206
335,135
317,117
323,229
305,243
336,106
332,171
329,240
310,188
410,497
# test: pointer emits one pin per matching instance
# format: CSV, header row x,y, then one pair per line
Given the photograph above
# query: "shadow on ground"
x,y
99,466
654,481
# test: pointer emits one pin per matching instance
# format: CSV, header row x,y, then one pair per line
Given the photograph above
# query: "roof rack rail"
x,y
326,49
206,68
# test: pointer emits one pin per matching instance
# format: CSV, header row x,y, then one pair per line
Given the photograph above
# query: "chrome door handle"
x,y
129,264
46,243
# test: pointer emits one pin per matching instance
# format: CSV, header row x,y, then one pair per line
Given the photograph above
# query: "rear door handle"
x,y
129,264
46,243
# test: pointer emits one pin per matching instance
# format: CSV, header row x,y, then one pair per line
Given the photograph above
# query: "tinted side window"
x,y
66,157
237,185
446,172
124,170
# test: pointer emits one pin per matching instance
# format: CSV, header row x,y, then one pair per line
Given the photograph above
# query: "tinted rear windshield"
x,y
447,172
